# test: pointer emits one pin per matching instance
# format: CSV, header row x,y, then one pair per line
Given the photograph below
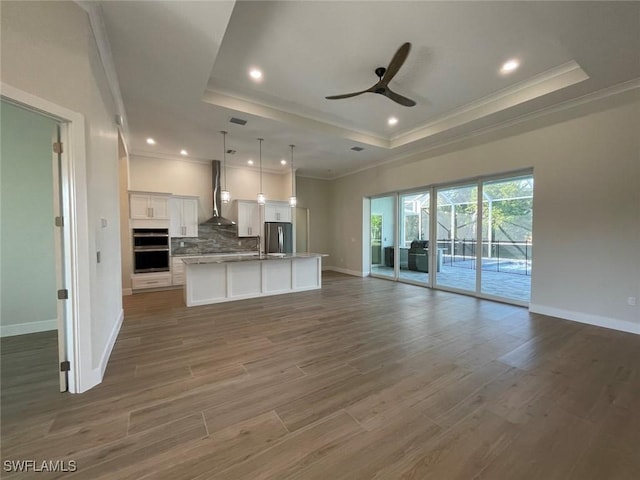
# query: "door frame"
x,y
59,242
75,238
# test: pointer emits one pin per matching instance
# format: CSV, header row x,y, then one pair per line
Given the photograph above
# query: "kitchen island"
x,y
213,278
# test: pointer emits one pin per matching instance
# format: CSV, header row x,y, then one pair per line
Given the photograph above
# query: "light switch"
x,y
103,222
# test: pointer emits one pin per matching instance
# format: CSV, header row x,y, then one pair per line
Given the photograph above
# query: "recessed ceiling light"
x,y
151,141
183,152
250,162
255,73
283,162
509,66
392,120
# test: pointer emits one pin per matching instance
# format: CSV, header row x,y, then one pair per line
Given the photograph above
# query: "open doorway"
x,y
32,319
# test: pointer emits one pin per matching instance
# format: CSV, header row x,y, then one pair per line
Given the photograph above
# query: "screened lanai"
x,y
504,251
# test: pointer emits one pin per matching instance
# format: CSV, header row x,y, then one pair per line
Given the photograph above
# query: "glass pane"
x,y
507,242
456,237
382,235
414,237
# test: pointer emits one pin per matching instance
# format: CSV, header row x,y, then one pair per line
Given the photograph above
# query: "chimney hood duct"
x,y
217,218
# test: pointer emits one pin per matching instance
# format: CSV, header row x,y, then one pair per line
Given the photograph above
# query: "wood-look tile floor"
x,y
363,379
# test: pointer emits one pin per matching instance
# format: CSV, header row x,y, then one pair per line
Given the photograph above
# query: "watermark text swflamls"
x,y
59,466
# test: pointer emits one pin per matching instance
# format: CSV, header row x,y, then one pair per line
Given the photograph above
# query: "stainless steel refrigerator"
x,y
278,237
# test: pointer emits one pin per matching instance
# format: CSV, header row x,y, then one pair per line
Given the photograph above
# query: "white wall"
x,y
586,163
126,241
48,50
184,177
28,285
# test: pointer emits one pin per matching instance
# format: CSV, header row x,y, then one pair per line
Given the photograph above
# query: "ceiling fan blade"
x,y
407,102
347,95
396,62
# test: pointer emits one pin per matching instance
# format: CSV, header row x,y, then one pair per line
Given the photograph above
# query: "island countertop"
x,y
213,258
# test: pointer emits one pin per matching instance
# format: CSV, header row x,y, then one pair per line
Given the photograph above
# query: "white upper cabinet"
x,y
184,217
277,212
248,215
148,206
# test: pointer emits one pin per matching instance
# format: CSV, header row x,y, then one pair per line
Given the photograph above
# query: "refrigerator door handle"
x,y
280,239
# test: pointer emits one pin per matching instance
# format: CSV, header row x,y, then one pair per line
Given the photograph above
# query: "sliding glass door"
x,y
456,237
479,240
414,237
507,241
383,234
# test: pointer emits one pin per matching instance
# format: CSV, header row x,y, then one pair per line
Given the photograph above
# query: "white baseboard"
x,y
110,343
589,319
127,291
30,327
346,271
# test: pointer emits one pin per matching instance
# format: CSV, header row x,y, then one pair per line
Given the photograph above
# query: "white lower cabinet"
x,y
224,281
177,271
150,280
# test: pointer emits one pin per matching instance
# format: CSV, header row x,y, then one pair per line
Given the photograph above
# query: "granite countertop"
x,y
217,254
213,258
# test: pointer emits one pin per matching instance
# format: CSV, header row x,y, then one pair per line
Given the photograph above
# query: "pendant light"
x,y
224,193
261,197
292,199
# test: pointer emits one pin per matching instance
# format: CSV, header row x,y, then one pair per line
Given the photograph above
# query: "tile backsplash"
x,y
213,239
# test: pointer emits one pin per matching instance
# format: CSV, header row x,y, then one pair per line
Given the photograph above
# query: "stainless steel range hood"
x,y
217,218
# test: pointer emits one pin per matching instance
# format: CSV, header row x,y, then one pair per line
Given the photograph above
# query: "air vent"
x,y
238,121
357,149
231,152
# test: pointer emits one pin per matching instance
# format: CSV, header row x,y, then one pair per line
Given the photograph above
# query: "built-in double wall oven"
x,y
150,250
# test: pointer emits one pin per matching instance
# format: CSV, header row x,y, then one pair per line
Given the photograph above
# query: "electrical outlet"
x,y
103,222
631,301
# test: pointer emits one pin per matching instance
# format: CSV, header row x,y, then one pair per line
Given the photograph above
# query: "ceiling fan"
x,y
385,75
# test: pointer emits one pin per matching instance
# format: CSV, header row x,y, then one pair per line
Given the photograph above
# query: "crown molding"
x,y
231,102
547,82
206,161
630,85
94,11
542,84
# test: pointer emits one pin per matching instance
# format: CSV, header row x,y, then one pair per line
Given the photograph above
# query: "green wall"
x,y
28,276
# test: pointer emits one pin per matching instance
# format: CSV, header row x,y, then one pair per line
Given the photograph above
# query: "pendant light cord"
x,y
260,140
224,158
293,194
